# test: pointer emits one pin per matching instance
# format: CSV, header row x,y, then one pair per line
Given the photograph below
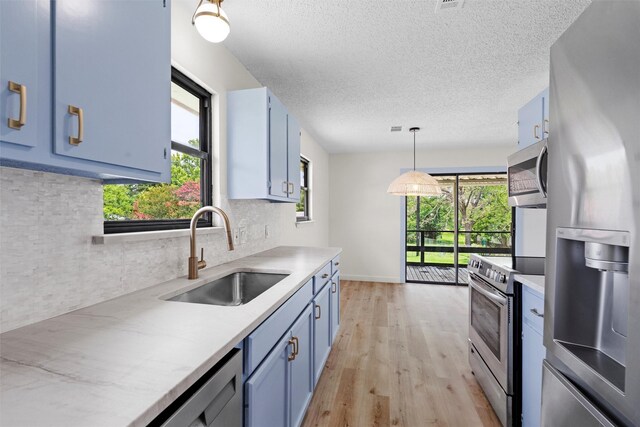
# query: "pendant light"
x,y
211,21
414,183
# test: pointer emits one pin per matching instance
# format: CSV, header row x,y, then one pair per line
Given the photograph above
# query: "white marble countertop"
x,y
121,362
534,282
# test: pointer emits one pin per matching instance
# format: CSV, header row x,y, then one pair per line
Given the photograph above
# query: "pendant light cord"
x,y
414,151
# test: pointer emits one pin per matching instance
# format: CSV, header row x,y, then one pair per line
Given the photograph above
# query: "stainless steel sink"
x,y
234,289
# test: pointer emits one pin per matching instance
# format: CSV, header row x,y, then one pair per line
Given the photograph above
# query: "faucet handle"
x,y
202,263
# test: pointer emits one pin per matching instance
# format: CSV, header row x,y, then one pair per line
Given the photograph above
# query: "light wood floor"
x,y
400,359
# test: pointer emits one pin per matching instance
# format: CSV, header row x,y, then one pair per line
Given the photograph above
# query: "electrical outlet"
x,y
242,231
266,231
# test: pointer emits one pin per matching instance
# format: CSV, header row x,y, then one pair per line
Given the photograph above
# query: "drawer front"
x,y
321,277
533,309
261,341
335,265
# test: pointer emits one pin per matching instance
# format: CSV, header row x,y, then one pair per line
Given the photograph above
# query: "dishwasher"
x,y
215,400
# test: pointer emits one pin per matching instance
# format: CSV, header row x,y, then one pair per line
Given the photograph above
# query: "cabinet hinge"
x,y
165,153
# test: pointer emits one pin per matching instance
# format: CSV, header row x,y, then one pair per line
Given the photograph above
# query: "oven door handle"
x,y
492,295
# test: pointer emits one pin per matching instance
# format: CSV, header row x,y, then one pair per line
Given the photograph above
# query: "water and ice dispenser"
x,y
592,299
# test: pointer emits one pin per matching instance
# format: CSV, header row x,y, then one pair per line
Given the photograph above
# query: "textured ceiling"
x,y
351,69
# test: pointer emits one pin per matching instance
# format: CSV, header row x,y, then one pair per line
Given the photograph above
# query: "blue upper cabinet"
x,y
19,72
278,148
533,120
293,157
263,147
117,72
99,103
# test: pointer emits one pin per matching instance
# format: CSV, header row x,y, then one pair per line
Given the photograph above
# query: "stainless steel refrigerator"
x,y
591,375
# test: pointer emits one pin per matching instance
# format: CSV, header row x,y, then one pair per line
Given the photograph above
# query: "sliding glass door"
x,y
471,215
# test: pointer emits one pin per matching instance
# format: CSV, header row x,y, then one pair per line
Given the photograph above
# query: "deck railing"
x,y
424,237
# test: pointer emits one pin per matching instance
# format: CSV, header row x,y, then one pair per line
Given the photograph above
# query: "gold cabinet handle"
x,y
296,346
535,131
536,313
290,188
334,288
292,356
319,315
337,263
325,275
545,127
22,119
285,187
77,111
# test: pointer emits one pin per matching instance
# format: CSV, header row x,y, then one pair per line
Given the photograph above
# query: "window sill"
x,y
308,221
107,239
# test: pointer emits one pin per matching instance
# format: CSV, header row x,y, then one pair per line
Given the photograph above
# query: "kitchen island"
x,y
123,361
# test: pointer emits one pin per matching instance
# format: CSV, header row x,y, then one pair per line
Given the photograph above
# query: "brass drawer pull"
x,y
292,356
319,315
77,111
285,187
296,346
535,131
290,186
22,119
337,263
535,312
325,275
334,287
545,127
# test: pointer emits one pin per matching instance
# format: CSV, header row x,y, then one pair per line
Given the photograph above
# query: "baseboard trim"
x,y
371,279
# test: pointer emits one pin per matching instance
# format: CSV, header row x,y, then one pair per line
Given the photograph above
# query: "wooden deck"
x,y
429,273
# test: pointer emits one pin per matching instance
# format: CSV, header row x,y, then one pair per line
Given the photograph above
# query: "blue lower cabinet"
x,y
301,366
266,392
322,330
335,306
533,353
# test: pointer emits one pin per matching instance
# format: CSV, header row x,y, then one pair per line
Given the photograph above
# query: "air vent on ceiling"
x,y
396,128
449,4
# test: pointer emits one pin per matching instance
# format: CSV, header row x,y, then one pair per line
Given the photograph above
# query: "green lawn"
x,y
438,258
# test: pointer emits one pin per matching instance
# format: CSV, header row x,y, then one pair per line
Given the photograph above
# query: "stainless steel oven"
x,y
527,176
490,328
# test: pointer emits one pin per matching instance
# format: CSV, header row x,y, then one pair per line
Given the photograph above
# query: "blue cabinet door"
x,y
530,121
302,366
293,157
532,357
266,392
112,59
545,111
277,148
322,330
335,306
19,64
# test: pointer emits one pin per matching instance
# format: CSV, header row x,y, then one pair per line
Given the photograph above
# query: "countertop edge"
x,y
537,283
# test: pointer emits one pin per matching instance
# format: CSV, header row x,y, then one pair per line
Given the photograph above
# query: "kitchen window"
x,y
303,211
152,207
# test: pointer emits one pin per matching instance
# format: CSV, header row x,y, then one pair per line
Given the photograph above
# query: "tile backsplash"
x,y
49,265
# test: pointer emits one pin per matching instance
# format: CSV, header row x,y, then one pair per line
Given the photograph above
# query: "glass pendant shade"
x,y
414,183
211,21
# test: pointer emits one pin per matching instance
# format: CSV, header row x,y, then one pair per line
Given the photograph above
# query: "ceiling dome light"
x,y
211,21
414,183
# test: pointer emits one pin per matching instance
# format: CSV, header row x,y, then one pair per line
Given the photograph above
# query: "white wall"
x,y
366,221
48,263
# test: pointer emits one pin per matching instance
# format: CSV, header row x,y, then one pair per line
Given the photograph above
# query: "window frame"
x,y
307,189
206,169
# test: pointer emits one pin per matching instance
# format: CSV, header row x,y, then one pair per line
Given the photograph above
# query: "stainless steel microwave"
x,y
527,172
